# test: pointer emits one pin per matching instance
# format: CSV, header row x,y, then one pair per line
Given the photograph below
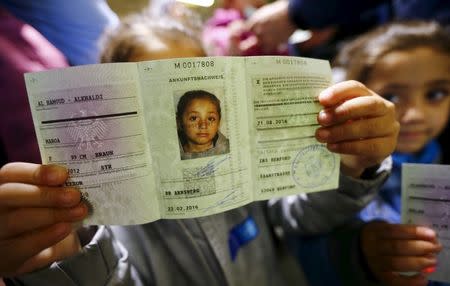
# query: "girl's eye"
x,y
193,118
211,119
392,97
436,95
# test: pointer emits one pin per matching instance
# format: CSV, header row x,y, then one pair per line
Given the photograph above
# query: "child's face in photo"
x,y
417,81
200,122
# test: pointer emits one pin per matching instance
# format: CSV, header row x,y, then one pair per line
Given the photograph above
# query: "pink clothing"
x,y
22,49
216,36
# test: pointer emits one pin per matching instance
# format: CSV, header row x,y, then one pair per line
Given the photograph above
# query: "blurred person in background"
x,y
74,27
225,33
274,23
143,37
22,49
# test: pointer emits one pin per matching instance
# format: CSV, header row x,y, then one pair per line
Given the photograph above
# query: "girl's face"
x,y
417,81
200,122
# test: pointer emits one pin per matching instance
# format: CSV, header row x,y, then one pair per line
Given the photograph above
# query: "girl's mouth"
x,y
202,134
411,134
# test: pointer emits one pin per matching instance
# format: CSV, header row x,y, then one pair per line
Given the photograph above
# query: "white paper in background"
x,y
426,201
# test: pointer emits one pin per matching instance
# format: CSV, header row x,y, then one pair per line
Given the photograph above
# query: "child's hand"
x,y
357,122
392,248
36,216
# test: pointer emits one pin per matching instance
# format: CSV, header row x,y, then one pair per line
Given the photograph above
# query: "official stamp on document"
x,y
312,166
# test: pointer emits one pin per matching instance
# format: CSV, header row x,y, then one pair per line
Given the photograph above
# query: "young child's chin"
x,y
409,147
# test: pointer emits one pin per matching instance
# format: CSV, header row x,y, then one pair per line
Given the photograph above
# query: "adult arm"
x,y
274,23
318,14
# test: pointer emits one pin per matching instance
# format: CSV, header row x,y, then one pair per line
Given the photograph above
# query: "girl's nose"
x,y
202,124
413,112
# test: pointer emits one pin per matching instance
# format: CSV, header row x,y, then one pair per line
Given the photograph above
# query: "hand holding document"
x,y
426,201
184,138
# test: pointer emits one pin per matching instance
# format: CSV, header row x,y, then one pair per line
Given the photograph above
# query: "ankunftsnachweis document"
x,y
183,138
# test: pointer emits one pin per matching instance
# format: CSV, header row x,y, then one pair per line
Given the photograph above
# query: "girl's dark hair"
x,y
184,101
359,56
188,96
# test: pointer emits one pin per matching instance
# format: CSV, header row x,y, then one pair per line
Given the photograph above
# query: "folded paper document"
x,y
183,138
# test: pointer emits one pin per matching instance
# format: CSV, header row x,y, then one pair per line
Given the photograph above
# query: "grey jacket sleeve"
x,y
104,261
317,213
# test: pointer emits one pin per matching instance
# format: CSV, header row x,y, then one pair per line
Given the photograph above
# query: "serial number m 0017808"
x,y
194,64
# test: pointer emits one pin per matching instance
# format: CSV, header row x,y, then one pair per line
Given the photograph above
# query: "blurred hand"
x,y
358,124
392,248
36,216
319,37
271,25
235,30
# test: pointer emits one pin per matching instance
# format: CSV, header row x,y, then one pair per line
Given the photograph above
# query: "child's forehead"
x,y
423,62
199,101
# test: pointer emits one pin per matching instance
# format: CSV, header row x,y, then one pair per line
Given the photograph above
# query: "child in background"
x,y
141,37
198,121
408,64
177,10
22,49
221,249
225,33
411,69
